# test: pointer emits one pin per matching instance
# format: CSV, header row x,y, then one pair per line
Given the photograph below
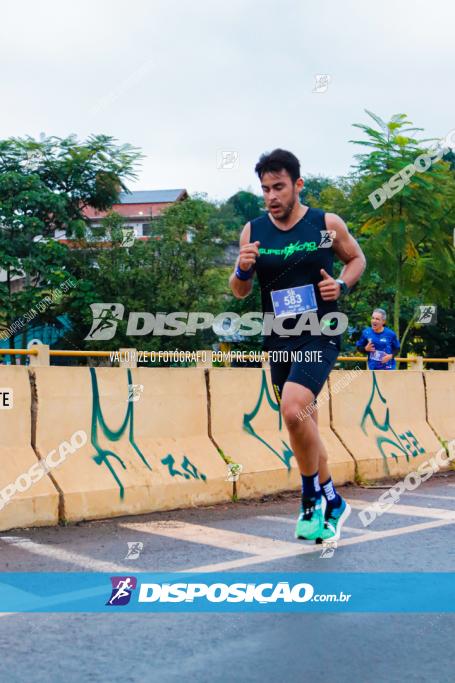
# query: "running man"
x,y
107,319
123,589
380,342
287,248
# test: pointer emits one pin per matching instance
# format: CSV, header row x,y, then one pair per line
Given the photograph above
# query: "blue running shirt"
x,y
384,342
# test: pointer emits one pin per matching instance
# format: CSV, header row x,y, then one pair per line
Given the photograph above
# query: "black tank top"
x,y
291,258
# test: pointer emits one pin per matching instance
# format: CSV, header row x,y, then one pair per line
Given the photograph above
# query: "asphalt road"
x,y
417,535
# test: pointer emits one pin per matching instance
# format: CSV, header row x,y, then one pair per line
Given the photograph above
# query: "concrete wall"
x,y
381,419
154,435
247,426
38,505
440,392
145,452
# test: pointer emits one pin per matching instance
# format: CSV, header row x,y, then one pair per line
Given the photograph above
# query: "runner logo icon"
x,y
105,320
122,587
426,315
327,238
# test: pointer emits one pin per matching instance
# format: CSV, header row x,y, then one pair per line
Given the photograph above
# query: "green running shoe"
x,y
310,524
335,518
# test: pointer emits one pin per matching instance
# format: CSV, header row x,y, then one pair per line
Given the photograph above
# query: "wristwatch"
x,y
343,286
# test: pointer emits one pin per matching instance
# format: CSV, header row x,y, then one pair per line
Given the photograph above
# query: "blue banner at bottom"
x,y
227,592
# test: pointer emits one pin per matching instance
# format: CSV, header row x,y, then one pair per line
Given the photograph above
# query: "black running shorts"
x,y
309,363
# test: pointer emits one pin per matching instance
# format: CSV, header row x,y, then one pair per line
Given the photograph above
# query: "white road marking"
x,y
354,529
268,557
429,495
303,550
62,555
260,550
269,549
256,547
409,510
291,520
215,537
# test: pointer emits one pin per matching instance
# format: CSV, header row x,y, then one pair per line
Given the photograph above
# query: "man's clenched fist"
x,y
329,288
248,255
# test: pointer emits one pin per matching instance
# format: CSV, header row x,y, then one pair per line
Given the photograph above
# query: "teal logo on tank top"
x,y
290,249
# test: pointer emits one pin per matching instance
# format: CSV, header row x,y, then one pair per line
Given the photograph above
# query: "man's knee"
x,y
296,414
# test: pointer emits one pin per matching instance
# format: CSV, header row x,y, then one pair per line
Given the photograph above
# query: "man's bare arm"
x,y
247,257
347,249
349,252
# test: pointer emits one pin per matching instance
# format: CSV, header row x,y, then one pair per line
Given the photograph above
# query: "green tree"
x,y
408,237
246,205
314,185
325,193
175,270
44,187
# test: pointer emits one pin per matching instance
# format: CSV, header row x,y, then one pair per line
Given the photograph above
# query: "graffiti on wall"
x,y
104,456
109,458
189,470
389,442
248,419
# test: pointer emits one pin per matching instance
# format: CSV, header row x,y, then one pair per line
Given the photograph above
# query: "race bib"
x,y
294,300
378,355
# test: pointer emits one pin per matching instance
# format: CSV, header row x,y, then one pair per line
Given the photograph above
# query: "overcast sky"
x,y
188,80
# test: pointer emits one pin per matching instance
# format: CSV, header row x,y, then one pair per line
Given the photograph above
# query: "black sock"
x,y
332,497
311,489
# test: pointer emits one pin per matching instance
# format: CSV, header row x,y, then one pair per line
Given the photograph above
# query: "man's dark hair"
x,y
278,160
